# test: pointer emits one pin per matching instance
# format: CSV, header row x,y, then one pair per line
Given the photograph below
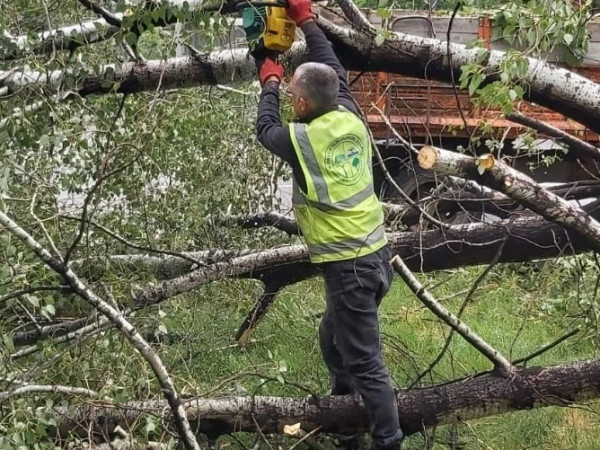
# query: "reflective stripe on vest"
x,y
336,247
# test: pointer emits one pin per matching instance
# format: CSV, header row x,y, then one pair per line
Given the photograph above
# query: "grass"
x,y
517,309
515,314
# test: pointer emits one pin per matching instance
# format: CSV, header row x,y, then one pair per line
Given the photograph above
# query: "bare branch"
x,y
33,290
185,256
269,218
547,347
23,389
356,17
204,275
119,321
578,147
501,364
110,18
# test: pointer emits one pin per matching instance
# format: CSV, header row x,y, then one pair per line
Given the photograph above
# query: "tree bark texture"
x,y
528,237
501,177
559,89
462,400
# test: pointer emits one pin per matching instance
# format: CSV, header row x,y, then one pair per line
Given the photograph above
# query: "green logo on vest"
x,y
344,159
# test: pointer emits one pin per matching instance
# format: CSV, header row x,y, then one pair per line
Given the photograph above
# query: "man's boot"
x,y
358,441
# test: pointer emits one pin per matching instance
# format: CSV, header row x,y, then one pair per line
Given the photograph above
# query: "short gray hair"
x,y
319,83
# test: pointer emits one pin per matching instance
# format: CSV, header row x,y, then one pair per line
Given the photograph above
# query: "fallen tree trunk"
x,y
421,251
561,90
527,238
462,400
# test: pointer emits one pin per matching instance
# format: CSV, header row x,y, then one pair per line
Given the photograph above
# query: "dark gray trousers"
x,y
350,341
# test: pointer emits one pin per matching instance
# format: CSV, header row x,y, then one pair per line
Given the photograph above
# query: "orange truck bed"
x,y
422,109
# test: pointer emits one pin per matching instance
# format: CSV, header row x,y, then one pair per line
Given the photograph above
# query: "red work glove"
x,y
299,11
269,68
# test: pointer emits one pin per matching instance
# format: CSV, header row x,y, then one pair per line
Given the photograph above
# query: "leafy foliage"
x,y
158,172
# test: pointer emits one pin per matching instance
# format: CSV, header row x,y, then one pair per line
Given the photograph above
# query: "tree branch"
x,y
497,175
23,389
111,19
578,147
501,364
119,321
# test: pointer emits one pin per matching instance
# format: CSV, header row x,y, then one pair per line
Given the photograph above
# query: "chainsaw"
x,y
267,25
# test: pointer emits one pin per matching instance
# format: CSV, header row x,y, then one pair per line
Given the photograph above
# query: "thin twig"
x,y
110,18
547,347
391,180
32,290
143,248
453,82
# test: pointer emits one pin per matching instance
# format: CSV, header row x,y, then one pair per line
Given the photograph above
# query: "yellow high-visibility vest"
x,y
339,214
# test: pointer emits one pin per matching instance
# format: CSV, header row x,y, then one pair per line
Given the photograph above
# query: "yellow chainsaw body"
x,y
279,30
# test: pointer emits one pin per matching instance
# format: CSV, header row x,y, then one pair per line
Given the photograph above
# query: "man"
x,y
329,150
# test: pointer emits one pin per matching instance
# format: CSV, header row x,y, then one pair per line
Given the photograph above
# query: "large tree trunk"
x,y
527,238
462,400
566,92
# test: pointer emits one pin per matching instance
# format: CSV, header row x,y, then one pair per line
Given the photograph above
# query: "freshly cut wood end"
x,y
291,430
487,161
427,157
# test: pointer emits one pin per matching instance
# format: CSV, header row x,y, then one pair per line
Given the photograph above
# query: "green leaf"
x,y
531,35
384,13
568,38
476,81
48,311
379,39
32,299
8,342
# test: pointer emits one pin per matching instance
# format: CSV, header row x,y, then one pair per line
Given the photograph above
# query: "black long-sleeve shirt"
x,y
272,134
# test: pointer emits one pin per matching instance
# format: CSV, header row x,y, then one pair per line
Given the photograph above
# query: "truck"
x,y
435,113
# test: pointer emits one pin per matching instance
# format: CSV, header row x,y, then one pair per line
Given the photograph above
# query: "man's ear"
x,y
303,104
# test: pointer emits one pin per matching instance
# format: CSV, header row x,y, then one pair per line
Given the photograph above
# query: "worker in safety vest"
x,y
339,215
